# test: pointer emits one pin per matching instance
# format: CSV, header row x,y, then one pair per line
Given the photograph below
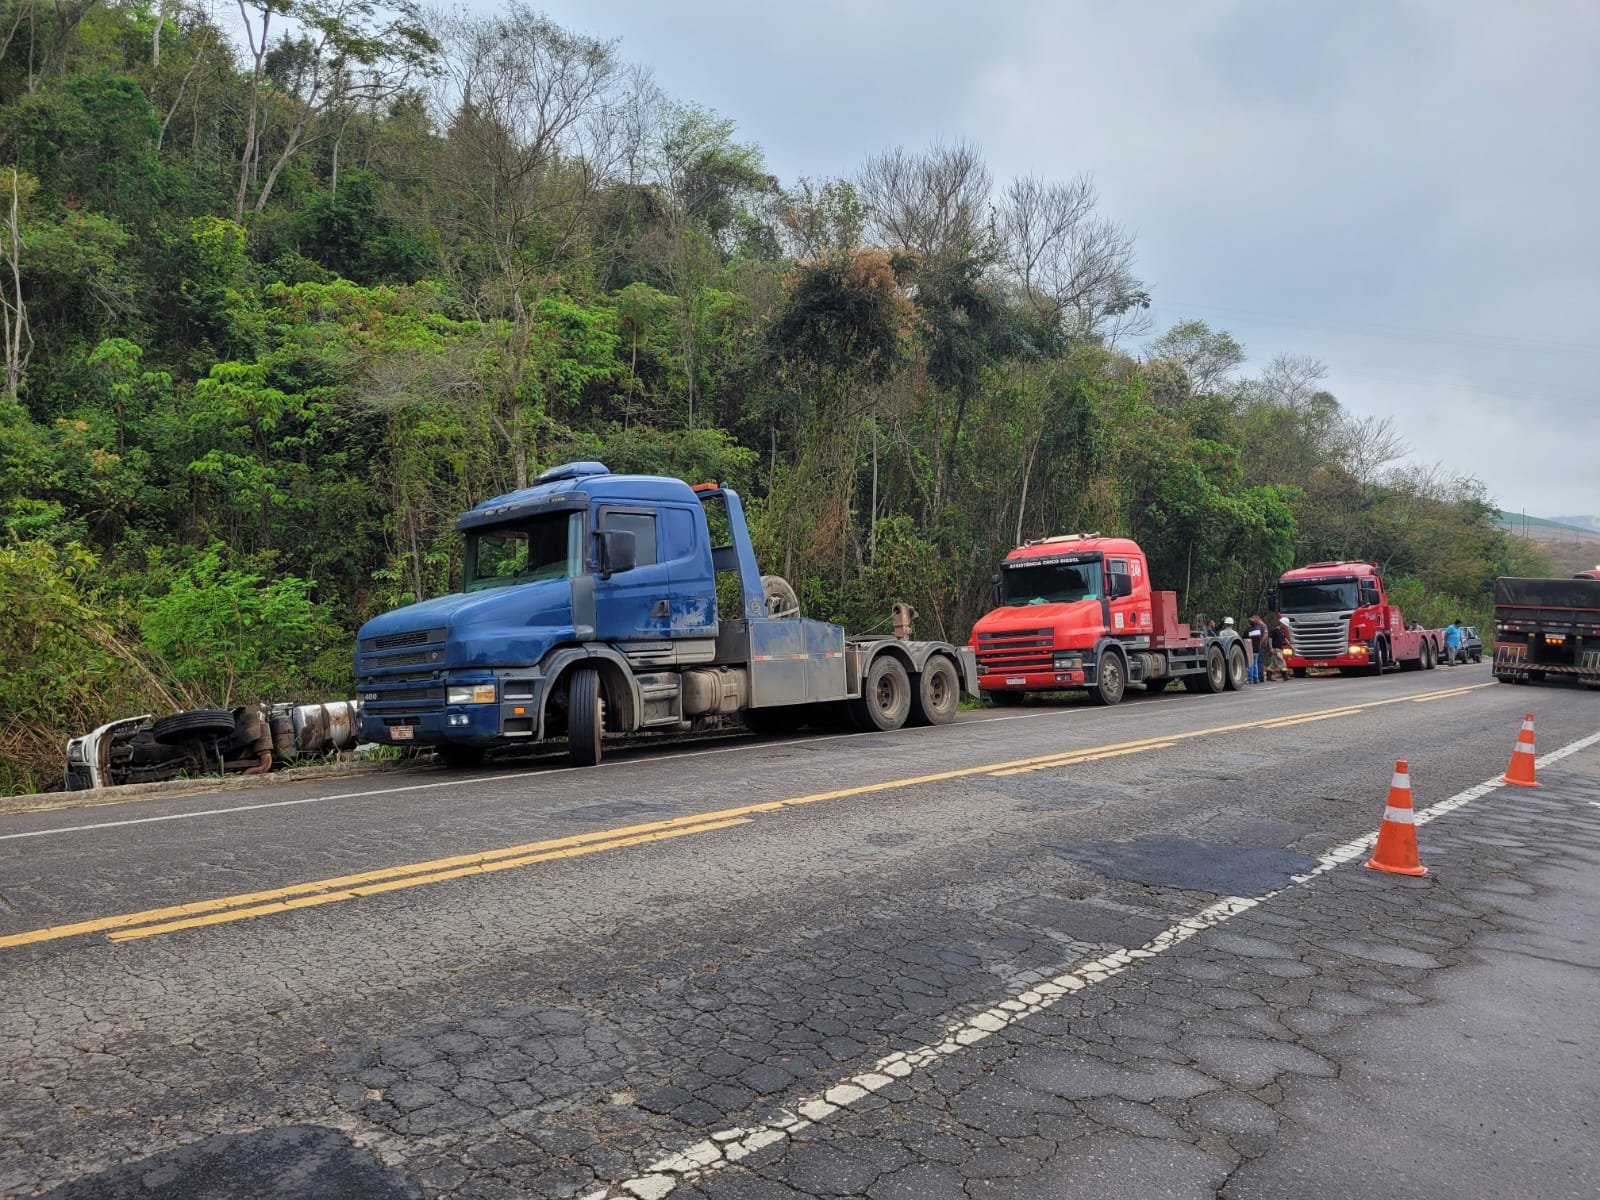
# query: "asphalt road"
x,y
1050,952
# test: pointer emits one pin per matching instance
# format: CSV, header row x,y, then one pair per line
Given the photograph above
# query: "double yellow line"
x,y
151,922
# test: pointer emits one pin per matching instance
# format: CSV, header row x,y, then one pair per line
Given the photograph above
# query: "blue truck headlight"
x,y
471,693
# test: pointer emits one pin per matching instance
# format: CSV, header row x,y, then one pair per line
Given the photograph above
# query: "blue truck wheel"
x,y
585,718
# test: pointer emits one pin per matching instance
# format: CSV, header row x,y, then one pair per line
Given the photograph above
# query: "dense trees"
x,y
281,295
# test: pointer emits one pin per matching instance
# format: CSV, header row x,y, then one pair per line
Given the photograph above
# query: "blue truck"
x,y
590,609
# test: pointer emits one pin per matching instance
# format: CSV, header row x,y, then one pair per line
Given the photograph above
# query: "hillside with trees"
x,y
284,290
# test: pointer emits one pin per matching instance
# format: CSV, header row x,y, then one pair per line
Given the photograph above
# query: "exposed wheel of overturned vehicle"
x,y
196,722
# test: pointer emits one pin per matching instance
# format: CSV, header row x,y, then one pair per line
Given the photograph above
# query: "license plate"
x,y
1016,680
401,733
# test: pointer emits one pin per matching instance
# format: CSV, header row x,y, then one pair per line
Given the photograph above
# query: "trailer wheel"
x,y
585,717
885,699
1214,678
1237,670
1003,699
1111,680
1428,660
937,695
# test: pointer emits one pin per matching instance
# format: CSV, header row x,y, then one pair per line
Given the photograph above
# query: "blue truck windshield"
x,y
547,546
1329,595
1050,583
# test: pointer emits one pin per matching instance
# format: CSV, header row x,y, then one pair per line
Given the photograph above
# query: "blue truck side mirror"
x,y
619,551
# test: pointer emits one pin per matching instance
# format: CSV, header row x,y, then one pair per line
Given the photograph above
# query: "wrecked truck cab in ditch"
x,y
249,740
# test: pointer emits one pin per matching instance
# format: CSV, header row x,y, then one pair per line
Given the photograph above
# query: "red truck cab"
x,y
1340,616
1077,611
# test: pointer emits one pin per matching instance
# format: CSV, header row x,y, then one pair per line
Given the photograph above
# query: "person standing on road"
x,y
1452,642
1278,638
1258,644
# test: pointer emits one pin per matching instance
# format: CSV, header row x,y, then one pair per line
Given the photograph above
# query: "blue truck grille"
x,y
414,648
390,695
404,660
412,637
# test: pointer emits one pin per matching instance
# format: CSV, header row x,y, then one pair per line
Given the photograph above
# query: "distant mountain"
x,y
1516,521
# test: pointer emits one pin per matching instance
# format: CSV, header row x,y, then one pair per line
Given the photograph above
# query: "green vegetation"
x,y
278,299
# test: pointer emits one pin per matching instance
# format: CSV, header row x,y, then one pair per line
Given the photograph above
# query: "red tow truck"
x,y
1077,611
1339,616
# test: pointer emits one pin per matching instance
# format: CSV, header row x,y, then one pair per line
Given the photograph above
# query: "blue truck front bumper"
x,y
403,713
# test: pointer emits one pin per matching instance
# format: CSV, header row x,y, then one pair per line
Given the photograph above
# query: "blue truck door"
x,y
634,604
694,582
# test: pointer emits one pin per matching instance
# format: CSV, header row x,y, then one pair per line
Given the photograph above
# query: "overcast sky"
x,y
1408,190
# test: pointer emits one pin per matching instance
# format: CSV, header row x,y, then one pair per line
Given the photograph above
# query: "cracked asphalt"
x,y
907,965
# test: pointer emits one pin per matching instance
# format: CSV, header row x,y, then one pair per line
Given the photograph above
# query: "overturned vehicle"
x,y
209,741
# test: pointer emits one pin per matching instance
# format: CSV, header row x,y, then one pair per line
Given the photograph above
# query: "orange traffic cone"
x,y
1520,772
1397,836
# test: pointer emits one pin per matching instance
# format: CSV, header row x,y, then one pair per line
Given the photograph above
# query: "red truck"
x,y
1077,611
1339,616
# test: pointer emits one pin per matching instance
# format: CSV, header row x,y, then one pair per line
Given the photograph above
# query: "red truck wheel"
x,y
1111,680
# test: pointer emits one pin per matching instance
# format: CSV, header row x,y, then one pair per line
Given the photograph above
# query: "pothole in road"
x,y
1189,864
295,1162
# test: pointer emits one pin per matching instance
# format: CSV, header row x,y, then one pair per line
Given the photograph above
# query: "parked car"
x,y
1471,649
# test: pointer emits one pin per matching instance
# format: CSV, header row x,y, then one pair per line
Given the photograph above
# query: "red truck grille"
x,y
1016,650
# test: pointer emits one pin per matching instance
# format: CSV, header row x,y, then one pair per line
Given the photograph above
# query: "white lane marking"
x,y
725,1147
1100,717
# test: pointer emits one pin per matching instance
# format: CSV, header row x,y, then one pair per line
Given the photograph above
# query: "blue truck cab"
x,y
589,608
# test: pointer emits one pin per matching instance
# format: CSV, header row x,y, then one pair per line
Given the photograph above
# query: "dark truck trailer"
x,y
1547,628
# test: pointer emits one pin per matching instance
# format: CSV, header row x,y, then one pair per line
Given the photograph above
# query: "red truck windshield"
x,y
1050,583
1328,595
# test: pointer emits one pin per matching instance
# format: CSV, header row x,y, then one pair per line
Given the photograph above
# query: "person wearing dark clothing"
x,y
1258,643
1277,638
